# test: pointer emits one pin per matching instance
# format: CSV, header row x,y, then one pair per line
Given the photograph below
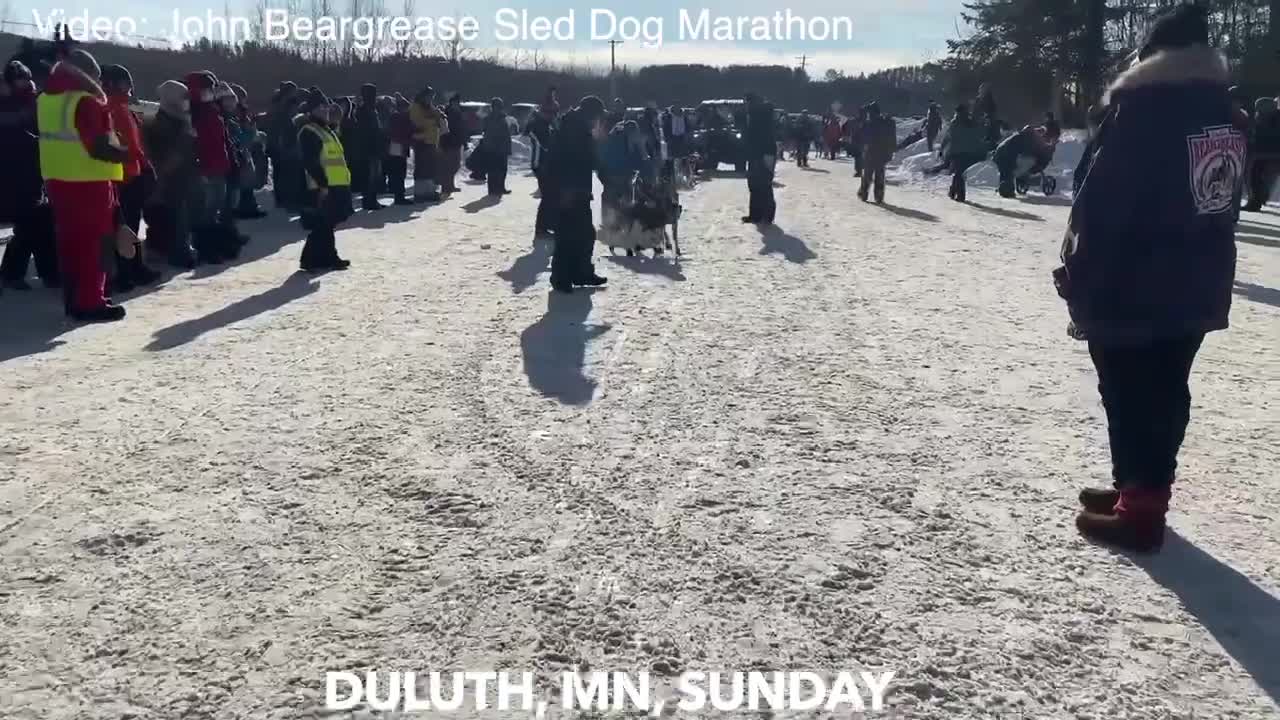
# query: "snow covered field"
x,y
852,442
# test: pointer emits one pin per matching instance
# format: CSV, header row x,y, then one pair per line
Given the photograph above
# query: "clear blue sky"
x,y
884,33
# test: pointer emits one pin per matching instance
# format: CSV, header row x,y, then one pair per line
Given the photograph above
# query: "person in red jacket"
x,y
139,177
400,137
212,233
79,182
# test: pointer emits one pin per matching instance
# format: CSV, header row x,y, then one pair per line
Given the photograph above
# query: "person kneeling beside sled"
x,y
328,185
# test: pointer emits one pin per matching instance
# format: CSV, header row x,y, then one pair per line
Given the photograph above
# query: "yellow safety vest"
x,y
332,158
62,155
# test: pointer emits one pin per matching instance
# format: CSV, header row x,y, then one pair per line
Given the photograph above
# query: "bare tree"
x,y
379,44
6,14
355,9
407,47
456,50
537,60
258,21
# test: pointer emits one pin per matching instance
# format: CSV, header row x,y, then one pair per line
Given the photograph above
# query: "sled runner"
x,y
637,219
1030,170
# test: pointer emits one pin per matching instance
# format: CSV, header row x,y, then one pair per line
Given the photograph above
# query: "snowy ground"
x,y
851,442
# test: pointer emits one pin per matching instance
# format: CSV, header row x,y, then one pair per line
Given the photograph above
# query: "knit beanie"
x,y
1184,26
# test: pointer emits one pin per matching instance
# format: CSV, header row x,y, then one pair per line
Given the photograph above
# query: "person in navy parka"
x,y
1149,261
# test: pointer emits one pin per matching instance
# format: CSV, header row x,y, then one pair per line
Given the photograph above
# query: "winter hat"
x,y
497,103
315,99
591,105
1184,26
201,85
1264,105
15,71
116,75
223,91
173,97
241,93
84,61
368,92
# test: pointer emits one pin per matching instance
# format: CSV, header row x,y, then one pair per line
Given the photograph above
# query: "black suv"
x,y
718,139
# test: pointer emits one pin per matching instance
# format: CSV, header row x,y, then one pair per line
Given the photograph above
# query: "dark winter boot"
x,y
1137,523
139,272
105,313
208,251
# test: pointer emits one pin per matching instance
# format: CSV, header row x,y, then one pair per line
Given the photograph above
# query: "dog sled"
x,y
636,218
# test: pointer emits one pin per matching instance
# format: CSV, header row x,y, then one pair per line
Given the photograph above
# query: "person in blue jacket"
x,y
1149,260
624,154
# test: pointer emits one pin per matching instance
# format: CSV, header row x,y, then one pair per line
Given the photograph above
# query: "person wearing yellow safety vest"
x,y
328,182
80,159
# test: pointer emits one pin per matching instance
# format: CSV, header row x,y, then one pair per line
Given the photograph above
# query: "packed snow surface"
x,y
850,442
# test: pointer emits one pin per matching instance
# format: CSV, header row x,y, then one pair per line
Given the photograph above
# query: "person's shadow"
x,y
1257,293
907,212
554,349
778,242
487,201
1005,212
1243,617
295,286
523,273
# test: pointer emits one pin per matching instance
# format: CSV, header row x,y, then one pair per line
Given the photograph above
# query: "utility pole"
x,y
804,62
613,68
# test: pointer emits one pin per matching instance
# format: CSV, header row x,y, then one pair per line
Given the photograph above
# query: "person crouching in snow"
x,y
1030,146
212,234
80,160
328,183
139,178
1149,261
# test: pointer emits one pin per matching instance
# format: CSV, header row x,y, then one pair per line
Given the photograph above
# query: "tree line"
x,y
1047,54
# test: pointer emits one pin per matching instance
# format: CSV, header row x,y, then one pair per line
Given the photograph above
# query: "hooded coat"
x,y
170,142
21,186
1150,249
211,130
94,200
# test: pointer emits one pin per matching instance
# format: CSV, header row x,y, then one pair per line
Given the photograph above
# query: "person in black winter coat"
x,y
761,146
497,143
1149,262
542,131
933,124
22,200
1264,153
370,135
574,165
452,143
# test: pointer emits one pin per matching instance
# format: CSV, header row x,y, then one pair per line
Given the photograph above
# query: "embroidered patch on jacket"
x,y
1217,168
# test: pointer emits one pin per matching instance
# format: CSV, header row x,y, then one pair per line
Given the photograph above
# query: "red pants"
x,y
83,218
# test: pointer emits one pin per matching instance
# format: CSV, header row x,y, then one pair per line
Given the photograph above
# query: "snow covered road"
x,y
852,442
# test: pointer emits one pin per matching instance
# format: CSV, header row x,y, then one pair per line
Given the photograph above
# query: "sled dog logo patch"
x,y
1216,158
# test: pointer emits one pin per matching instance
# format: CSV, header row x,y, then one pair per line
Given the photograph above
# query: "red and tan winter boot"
x,y
1136,523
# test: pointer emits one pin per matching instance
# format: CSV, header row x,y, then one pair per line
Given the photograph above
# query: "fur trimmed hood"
x,y
66,77
1173,67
